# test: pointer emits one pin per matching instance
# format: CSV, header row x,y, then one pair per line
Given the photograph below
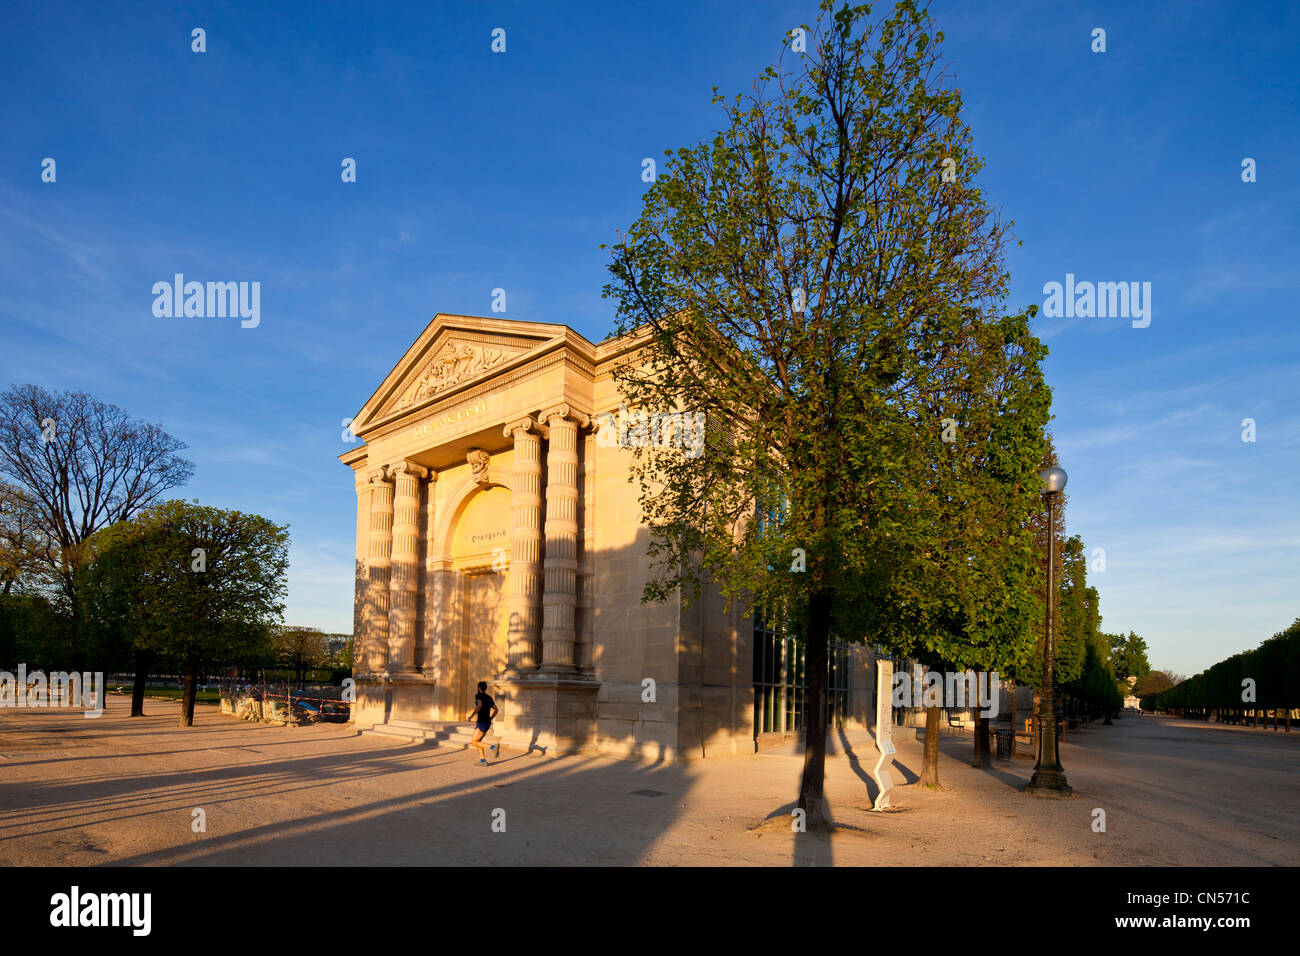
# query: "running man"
x,y
485,708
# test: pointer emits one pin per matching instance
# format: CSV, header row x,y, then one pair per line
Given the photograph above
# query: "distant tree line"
x,y
1247,686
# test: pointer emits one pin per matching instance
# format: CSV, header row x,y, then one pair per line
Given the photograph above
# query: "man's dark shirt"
x,y
484,703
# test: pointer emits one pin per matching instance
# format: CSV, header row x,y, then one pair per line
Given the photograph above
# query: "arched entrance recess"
x,y
478,546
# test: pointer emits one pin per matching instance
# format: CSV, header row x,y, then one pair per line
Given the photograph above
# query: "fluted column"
x,y
361,580
433,609
405,574
525,582
379,566
560,569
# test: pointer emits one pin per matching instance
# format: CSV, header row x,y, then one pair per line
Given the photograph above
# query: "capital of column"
x,y
564,412
522,427
402,469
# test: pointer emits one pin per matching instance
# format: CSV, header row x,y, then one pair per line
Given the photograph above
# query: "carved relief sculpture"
x,y
453,364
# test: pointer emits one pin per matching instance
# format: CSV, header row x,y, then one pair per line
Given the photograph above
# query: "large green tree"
x,y
823,282
193,585
1129,655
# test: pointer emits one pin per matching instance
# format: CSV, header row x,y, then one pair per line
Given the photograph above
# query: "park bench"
x,y
956,720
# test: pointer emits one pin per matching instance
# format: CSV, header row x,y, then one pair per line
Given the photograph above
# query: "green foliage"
x,y
26,552
1129,655
809,282
1094,690
1080,617
36,632
187,583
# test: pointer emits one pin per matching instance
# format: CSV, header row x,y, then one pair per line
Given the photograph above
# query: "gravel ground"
x,y
121,791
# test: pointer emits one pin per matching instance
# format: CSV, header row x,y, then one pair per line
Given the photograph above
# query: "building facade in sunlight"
x,y
499,538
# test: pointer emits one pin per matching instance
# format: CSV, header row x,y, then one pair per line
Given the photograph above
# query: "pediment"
x,y
451,354
456,360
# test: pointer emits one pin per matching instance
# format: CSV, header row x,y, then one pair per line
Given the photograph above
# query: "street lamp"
x,y
1049,776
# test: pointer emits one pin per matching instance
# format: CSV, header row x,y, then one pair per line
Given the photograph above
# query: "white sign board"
x,y
884,732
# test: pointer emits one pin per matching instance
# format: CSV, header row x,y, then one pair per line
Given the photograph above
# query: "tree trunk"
x,y
816,660
982,758
191,690
137,691
1013,719
930,762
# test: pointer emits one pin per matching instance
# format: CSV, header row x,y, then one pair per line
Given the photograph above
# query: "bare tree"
x,y
80,465
1156,682
301,649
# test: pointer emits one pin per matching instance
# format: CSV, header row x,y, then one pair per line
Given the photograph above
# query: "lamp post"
x,y
1049,776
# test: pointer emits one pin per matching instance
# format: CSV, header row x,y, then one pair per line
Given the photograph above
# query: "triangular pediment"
x,y
456,360
451,354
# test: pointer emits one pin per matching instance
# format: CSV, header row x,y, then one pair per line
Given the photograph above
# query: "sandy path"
x,y
116,790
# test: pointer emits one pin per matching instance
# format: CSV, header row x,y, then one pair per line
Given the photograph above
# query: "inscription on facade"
x,y
451,418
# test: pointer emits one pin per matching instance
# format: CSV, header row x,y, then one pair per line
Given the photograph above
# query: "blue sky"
x,y
478,170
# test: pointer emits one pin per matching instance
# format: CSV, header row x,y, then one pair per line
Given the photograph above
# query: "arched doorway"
x,y
480,555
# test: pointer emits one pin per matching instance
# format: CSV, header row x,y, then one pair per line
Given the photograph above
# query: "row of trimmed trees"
x,y
1091,666
1249,686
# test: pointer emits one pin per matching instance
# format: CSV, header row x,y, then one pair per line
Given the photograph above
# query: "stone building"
x,y
500,539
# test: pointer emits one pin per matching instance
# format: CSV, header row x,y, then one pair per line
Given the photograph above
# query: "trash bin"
x,y
1003,741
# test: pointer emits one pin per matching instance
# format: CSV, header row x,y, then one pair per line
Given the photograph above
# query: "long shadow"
x,y
856,766
547,818
863,770
812,847
212,785
454,823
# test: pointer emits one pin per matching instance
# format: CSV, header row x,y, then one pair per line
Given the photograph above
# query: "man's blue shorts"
x,y
484,725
